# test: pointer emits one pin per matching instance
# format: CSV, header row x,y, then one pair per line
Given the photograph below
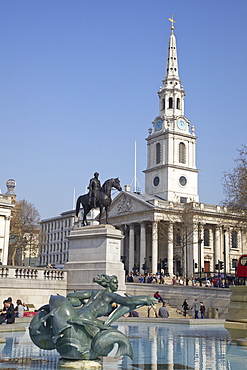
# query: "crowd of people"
x,y
217,281
9,312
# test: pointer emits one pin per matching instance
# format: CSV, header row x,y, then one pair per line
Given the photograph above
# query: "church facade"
x,y
167,227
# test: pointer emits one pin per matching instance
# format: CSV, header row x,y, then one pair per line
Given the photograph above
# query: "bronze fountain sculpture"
x,y
72,326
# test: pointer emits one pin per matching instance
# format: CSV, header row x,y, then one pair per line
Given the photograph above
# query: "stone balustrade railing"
x,y
32,285
33,273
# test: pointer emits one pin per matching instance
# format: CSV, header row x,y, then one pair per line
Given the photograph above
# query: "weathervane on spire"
x,y
172,21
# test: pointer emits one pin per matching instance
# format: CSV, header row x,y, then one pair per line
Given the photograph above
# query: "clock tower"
x,y
171,172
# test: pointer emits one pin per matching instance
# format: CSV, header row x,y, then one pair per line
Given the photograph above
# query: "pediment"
x,y
128,203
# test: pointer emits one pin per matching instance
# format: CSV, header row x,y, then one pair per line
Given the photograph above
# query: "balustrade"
x,y
16,272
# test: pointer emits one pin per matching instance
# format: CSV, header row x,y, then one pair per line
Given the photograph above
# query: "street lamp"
x,y
30,249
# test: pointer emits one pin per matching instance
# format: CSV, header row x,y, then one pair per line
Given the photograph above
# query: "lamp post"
x,y
30,249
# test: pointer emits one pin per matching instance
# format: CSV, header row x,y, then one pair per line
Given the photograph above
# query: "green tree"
x,y
24,221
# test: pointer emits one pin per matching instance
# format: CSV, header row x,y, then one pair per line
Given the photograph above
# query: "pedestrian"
x,y
19,309
163,311
142,279
202,310
185,307
158,296
8,313
196,307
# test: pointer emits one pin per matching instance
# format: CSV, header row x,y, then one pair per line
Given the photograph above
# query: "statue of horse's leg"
x,y
106,215
100,213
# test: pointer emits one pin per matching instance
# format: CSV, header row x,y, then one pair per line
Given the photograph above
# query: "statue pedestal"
x,y
236,320
94,250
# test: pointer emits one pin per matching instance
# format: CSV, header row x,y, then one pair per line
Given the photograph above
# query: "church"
x,y
167,227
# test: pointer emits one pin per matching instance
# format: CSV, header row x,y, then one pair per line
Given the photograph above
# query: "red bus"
x,y
242,266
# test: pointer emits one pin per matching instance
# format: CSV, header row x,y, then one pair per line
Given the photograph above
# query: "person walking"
x,y
163,311
202,310
185,307
196,307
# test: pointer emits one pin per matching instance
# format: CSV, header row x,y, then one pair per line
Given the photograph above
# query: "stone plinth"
x,y
236,320
237,311
94,250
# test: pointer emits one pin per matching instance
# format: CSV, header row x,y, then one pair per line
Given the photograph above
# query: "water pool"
x,y
156,347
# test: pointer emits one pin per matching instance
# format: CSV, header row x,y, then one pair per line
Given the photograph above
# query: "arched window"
x,y
170,103
206,237
163,104
182,152
178,103
158,153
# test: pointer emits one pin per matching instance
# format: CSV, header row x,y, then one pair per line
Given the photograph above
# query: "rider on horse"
x,y
94,188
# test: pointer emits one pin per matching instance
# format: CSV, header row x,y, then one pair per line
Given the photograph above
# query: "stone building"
x,y
168,227
7,202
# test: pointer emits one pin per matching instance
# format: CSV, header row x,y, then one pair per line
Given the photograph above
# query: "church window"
x,y
163,104
170,103
234,263
178,237
178,103
206,238
234,239
183,200
182,152
156,181
158,153
182,180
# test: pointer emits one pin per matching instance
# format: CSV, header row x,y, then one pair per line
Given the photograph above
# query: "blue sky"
x,y
79,82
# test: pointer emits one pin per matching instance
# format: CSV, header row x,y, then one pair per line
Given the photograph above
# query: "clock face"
x,y
158,125
181,124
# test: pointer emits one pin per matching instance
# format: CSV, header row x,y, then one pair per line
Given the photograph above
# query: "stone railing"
x,y
32,273
32,285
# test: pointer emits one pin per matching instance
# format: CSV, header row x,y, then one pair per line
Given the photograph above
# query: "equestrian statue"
x,y
97,197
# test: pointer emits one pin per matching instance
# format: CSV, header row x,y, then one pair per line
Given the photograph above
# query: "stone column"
x,y
170,249
201,246
5,250
122,229
195,247
226,250
131,247
217,245
142,245
154,246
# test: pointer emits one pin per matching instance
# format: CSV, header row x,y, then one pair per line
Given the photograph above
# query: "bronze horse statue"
x,y
103,201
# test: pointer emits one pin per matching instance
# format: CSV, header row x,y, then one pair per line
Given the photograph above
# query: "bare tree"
x,y
185,221
24,221
235,183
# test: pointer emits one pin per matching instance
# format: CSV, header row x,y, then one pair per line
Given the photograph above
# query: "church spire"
x,y
171,94
172,60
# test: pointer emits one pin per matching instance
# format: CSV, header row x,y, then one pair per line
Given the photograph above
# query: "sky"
x,y
79,82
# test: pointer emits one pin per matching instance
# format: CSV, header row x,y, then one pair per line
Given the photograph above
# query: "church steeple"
x,y
171,94
172,60
171,171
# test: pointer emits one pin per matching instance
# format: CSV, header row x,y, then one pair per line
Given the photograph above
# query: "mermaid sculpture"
x,y
72,326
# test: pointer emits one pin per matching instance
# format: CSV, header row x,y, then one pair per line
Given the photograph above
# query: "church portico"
x,y
181,239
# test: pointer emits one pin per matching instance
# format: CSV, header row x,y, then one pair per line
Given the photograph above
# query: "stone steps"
x,y
152,311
